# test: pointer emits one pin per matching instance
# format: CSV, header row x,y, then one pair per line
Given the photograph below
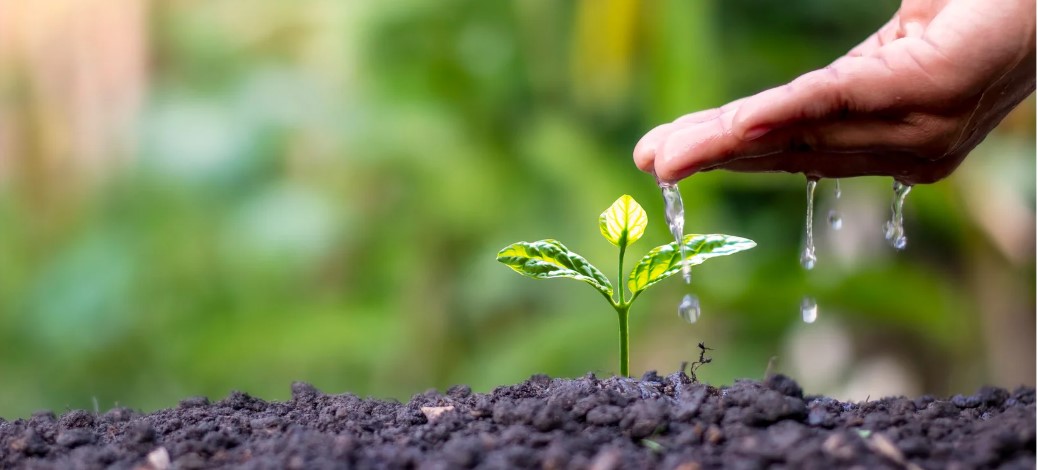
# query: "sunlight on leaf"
x,y
547,259
623,223
665,261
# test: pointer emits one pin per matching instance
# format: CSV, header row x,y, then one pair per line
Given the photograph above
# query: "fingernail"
x,y
756,133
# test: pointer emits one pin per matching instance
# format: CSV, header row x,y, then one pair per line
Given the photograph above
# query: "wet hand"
x,y
910,102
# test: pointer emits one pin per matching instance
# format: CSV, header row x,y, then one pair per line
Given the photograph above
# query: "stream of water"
x,y
835,220
808,306
807,256
894,229
674,210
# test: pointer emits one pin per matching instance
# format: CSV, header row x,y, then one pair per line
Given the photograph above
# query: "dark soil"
x,y
548,423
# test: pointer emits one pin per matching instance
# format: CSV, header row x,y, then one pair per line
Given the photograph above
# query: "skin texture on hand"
x,y
911,102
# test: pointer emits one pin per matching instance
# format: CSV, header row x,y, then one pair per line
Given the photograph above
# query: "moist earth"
x,y
668,422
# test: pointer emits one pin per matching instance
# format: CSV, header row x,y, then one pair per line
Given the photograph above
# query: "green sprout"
x,y
623,223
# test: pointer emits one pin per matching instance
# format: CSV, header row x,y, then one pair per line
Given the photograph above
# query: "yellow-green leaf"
x,y
546,259
623,223
665,261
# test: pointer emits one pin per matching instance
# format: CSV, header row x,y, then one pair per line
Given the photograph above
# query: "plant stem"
x,y
620,276
623,308
622,312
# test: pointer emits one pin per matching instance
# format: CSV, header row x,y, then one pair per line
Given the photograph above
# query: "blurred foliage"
x,y
318,189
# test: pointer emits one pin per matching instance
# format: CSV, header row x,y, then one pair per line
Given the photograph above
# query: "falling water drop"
x,y
689,308
808,306
835,220
894,229
809,310
807,257
674,209
675,213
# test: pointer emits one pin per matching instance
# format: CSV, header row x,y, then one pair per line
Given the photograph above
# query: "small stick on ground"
x,y
703,359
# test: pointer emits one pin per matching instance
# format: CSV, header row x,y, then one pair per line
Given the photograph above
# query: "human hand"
x,y
911,102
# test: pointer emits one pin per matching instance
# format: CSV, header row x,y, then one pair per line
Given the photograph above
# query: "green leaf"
x,y
547,259
623,223
664,261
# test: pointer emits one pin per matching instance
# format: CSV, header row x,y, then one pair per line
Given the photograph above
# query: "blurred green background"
x,y
200,196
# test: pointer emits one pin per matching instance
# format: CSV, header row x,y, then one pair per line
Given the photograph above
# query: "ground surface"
x,y
655,422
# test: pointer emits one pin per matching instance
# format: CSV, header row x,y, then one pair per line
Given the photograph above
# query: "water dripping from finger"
x,y
807,255
808,306
894,229
674,211
834,217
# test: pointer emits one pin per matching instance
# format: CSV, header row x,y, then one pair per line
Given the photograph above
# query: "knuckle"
x,y
825,79
824,92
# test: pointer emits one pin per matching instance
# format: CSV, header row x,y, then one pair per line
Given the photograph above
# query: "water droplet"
x,y
835,220
837,192
894,229
809,310
688,310
807,257
674,209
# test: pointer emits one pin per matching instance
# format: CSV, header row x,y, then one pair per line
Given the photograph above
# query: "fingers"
x,y
708,114
681,150
892,65
874,104
645,149
676,150
904,167
851,86
833,92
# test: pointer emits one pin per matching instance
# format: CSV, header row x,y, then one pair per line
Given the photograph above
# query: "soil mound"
x,y
655,422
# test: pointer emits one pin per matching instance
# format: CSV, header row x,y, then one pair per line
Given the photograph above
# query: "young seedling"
x,y
622,224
